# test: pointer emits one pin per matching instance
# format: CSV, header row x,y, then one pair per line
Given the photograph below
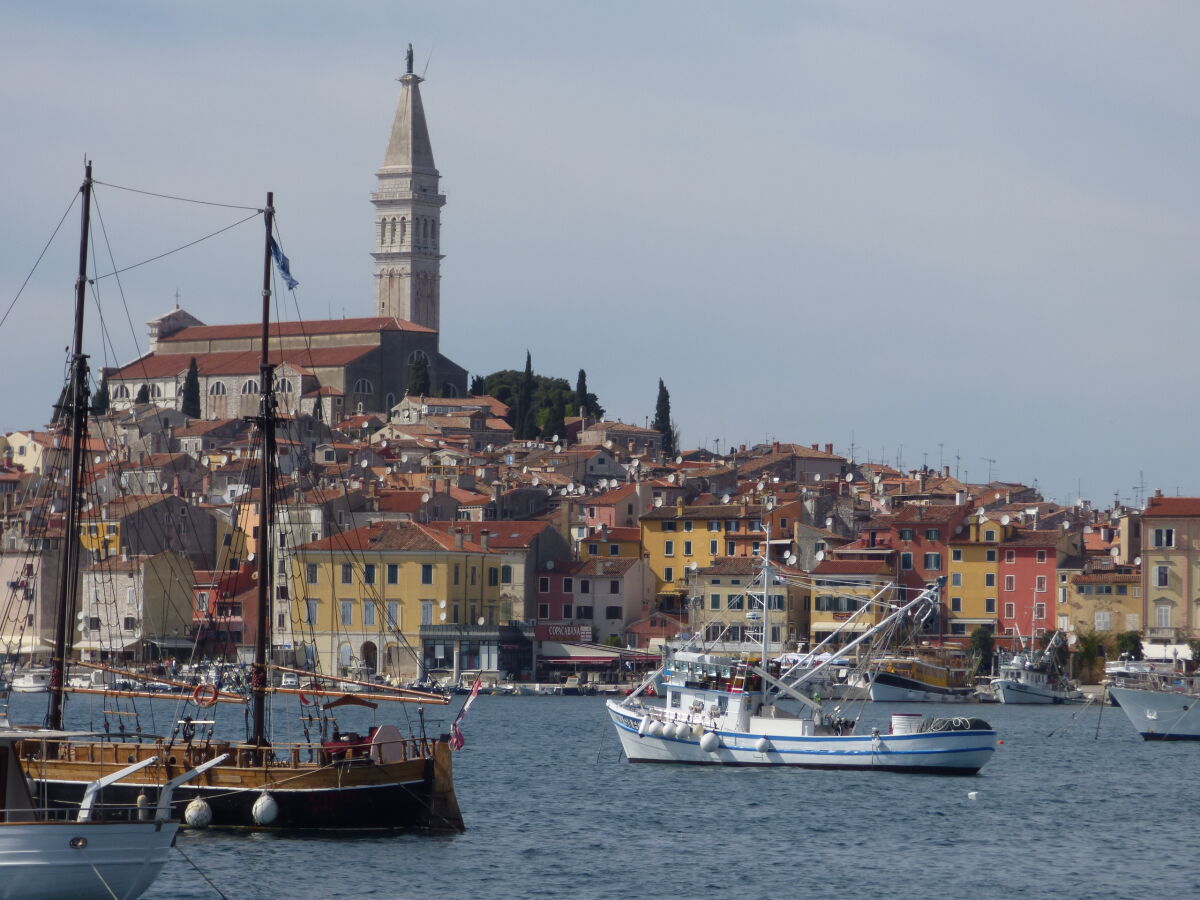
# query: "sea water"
x,y
1074,803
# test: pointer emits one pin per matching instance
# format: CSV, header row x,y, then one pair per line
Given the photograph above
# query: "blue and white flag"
x,y
281,262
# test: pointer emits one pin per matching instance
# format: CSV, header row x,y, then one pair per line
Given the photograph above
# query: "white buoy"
x,y
655,729
763,745
198,814
642,728
265,809
971,795
710,743
143,806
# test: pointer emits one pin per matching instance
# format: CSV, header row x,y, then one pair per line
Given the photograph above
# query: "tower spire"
x,y
408,214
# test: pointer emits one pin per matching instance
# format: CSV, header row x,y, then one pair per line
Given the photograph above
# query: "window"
x,y
612,612
127,624
593,549
369,573
933,561
1162,576
347,612
393,573
1010,556
368,612
1041,556
1039,585
474,575
1164,537
585,586
1010,582
668,526
364,386
1103,621
736,601
393,614
456,573
906,561
932,534
426,612
1039,611
989,535
250,386
668,548
506,574
714,601
614,550
991,555
493,576
216,389
668,573
568,585
1010,610
714,526
956,555
583,612
426,573
956,579
202,601
543,585
989,605
614,586
906,534
687,548
543,610
1162,615
712,547
310,612
729,548
347,573
568,610
989,580
956,604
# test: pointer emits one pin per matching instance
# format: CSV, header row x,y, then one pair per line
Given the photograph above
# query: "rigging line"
x,y
38,261
177,249
199,871
119,187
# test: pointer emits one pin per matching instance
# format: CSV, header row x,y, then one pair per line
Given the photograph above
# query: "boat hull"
x,y
37,861
1009,691
889,688
945,753
1160,715
346,794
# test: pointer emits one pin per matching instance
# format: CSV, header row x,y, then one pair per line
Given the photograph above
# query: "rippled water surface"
x,y
1073,804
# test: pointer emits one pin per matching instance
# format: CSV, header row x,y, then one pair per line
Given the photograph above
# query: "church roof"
x,y
238,362
409,146
300,328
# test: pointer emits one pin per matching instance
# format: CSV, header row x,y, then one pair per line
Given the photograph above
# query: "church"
x,y
344,366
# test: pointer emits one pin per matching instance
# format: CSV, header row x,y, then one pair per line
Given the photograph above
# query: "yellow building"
x,y
1107,601
612,543
974,572
727,609
841,595
359,598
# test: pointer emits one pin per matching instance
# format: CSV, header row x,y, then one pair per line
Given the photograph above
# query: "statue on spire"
x,y
409,59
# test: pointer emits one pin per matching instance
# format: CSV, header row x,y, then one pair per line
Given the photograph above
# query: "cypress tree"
x,y
662,420
101,403
143,394
189,403
524,416
418,376
477,386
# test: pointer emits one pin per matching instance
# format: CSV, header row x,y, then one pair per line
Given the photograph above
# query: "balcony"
x,y
1170,635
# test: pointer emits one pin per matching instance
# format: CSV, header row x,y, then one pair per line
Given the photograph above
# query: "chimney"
x,y
775,446
829,449
945,471
741,448
679,506
484,536
815,447
458,538
960,498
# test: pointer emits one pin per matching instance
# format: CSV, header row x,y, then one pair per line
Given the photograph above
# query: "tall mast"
x,y
77,404
266,523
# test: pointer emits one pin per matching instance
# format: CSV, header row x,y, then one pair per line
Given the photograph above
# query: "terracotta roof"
x,y
300,328
1107,578
1171,506
501,535
852,567
609,566
400,536
732,565
237,363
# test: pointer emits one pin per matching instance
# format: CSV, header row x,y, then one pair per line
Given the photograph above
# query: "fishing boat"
x,y
378,779
723,710
1161,703
920,678
31,681
1029,677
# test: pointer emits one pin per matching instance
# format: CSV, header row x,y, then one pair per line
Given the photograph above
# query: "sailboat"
x,y
88,850
381,779
722,710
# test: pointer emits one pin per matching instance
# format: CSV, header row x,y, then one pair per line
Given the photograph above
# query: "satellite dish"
x,y
1137,560
817,476
480,620
562,492
762,485
383,444
725,498
791,560
678,460
849,477
442,616
549,492
635,463
820,555
558,448
97,459
81,616
671,478
479,473
553,440
878,479
165,487
536,481
524,470
403,457
388,469
608,445
364,464
490,448
249,557
657,502
549,565
425,497
828,522
441,604
1005,519
1114,552
83,627
1087,529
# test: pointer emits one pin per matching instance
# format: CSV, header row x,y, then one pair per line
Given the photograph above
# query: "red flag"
x,y
456,736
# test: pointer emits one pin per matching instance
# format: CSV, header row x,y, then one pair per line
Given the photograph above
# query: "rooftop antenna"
x,y
991,462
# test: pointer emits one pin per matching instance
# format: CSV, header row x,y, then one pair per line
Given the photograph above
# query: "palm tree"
x,y
1089,647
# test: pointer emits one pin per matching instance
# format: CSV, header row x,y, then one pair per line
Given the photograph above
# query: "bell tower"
x,y
408,211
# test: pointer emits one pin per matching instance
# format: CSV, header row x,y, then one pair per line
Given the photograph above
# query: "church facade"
x,y
344,366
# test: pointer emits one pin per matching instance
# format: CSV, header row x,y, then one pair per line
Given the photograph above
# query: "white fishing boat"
x,y
31,681
721,710
1162,704
1036,678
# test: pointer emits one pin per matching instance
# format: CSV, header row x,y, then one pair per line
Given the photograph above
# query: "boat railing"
x,y
101,812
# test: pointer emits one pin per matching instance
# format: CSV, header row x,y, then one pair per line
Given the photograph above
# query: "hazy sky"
x,y
945,232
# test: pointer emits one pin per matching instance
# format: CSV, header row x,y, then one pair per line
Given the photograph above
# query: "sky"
x,y
934,233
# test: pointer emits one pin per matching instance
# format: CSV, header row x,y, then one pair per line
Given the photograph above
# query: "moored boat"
x,y
920,678
1163,706
1036,678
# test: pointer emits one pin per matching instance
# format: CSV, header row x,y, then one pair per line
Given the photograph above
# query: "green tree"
x,y
478,388
983,647
586,404
555,424
418,376
143,394
189,403
524,415
101,402
662,420
1089,648
1129,645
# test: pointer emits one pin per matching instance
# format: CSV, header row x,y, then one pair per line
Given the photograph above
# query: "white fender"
x,y
265,809
198,814
655,729
644,726
763,745
710,743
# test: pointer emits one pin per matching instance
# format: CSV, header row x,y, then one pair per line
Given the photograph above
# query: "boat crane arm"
x,y
842,627
163,811
926,597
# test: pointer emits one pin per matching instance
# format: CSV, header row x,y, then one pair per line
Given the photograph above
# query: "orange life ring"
x,y
205,695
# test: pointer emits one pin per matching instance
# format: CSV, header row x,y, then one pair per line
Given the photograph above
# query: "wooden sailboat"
x,y
379,780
